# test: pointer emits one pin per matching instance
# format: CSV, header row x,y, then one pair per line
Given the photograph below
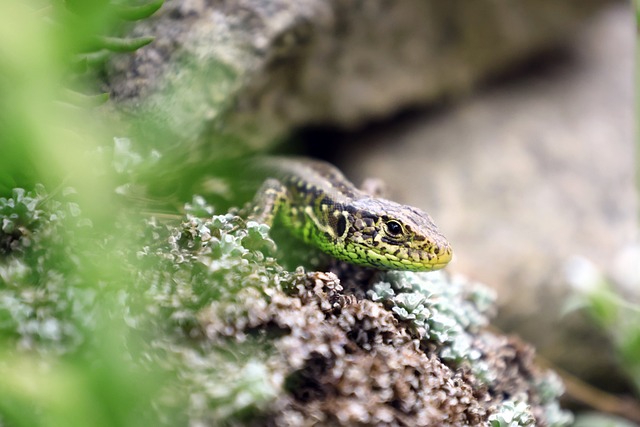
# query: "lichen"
x,y
416,353
512,414
442,310
247,342
38,299
345,361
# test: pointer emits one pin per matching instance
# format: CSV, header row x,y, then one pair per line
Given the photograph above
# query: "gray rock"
x,y
520,178
527,175
259,68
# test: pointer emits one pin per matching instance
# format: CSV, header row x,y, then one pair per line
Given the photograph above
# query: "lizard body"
x,y
319,205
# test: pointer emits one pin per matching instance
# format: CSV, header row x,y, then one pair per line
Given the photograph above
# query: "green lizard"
x,y
319,205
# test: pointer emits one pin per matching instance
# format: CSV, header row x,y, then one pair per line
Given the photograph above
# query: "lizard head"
x,y
391,236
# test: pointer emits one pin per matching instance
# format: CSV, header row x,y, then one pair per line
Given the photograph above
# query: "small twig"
x,y
588,395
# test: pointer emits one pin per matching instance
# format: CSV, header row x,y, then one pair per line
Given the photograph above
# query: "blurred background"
x,y
511,124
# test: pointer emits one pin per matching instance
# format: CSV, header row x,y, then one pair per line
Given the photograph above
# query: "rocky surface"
x,y
520,178
349,361
254,344
183,317
267,67
526,175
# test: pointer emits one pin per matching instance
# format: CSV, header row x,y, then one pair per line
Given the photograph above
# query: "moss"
x,y
38,299
443,310
246,341
512,414
416,351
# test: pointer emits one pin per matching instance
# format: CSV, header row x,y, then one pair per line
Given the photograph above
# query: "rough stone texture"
x,y
267,66
526,175
520,178
347,361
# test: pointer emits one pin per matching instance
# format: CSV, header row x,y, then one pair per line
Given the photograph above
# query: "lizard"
x,y
319,205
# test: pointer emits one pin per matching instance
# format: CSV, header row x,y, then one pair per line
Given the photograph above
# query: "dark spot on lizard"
x,y
341,225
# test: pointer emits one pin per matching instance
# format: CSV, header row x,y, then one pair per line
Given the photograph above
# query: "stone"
x,y
258,69
526,175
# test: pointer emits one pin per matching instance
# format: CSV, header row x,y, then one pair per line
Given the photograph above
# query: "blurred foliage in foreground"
x,y
69,355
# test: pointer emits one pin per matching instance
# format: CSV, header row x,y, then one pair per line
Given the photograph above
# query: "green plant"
x,y
619,317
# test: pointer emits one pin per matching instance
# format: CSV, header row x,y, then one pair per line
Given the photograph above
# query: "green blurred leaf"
x,y
135,13
116,44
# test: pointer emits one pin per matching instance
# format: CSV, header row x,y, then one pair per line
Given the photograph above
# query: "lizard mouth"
x,y
441,259
418,261
439,265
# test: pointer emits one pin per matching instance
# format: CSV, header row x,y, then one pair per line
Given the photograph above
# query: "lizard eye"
x,y
394,228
